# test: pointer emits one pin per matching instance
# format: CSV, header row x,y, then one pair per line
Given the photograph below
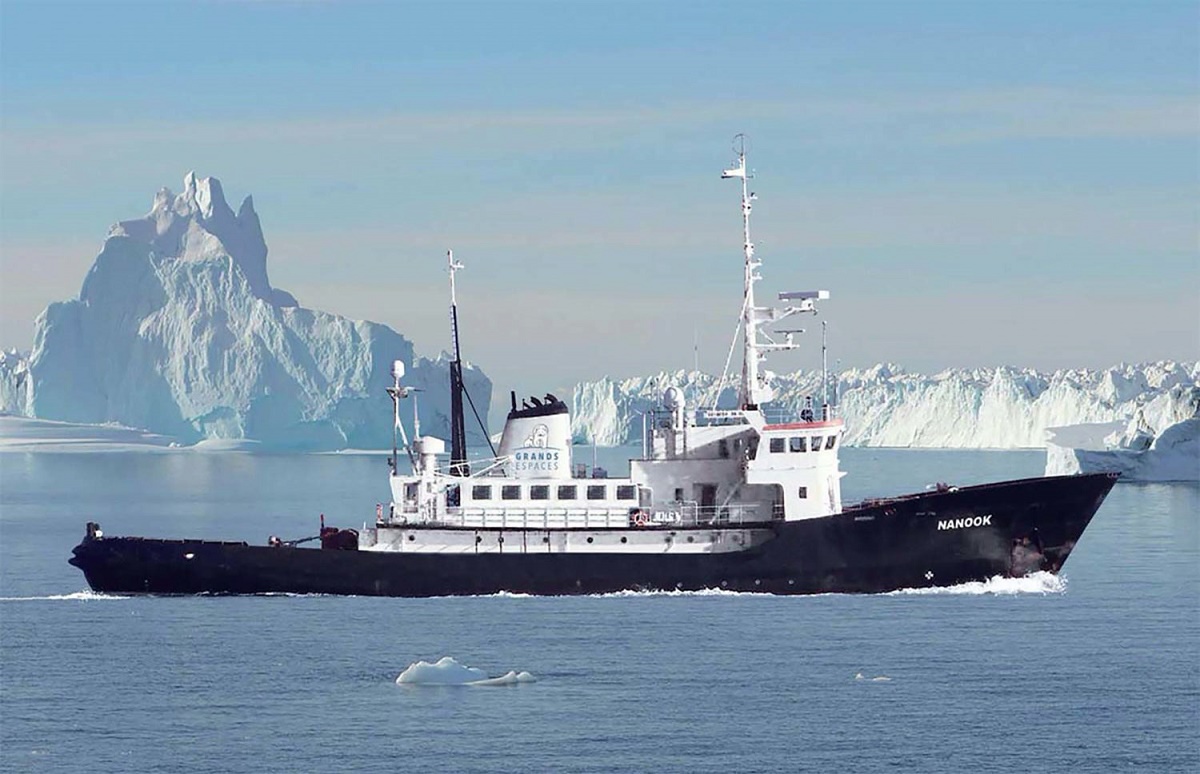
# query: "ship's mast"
x,y
458,426
751,390
824,369
757,341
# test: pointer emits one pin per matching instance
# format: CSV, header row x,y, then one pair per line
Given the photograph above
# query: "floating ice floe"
x,y
447,671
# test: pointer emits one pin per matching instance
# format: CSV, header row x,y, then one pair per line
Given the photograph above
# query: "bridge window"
x,y
797,444
816,443
453,495
539,492
829,441
481,492
595,492
510,492
778,445
803,493
626,492
567,492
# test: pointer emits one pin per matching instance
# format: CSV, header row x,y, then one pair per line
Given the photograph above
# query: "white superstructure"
x,y
709,480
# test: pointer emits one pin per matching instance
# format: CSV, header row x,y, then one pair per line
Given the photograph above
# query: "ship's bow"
x,y
1058,510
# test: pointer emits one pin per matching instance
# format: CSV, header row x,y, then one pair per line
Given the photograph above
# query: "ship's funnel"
x,y
537,436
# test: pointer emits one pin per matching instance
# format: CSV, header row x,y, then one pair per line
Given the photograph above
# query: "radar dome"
x,y
673,398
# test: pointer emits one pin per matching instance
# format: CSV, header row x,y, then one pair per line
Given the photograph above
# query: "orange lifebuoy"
x,y
639,518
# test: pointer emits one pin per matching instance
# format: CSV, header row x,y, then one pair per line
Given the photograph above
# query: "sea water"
x,y
1098,671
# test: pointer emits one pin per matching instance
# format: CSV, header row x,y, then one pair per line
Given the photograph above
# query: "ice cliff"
x,y
1161,442
1001,408
177,330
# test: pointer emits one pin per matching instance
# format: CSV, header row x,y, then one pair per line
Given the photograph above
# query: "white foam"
x,y
447,671
78,595
675,593
1036,583
879,679
611,594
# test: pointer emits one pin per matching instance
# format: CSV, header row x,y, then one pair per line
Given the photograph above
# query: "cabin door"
x,y
707,497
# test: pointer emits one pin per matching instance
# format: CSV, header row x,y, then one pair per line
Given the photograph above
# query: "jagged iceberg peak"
x,y
199,225
172,333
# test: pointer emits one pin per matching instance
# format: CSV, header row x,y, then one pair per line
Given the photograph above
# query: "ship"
x,y
735,498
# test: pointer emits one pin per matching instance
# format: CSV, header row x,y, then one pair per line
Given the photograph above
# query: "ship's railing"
x,y
711,417
678,514
780,415
773,415
690,514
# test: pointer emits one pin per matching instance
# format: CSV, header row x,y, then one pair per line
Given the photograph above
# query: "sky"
x,y
977,184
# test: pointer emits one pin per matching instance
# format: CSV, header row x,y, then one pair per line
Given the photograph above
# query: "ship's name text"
x,y
968,521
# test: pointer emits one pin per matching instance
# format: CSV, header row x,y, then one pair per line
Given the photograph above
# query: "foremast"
x,y
458,424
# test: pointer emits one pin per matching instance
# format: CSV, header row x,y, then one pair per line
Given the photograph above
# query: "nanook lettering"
x,y
969,521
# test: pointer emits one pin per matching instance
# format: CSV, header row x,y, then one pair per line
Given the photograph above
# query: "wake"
x,y
85,596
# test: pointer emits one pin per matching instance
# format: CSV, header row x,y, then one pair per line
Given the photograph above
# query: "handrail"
x,y
676,514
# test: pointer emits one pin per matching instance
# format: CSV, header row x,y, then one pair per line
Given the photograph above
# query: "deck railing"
x,y
678,514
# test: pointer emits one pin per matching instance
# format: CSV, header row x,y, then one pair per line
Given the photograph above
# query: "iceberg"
x,y
1161,442
959,408
14,382
178,331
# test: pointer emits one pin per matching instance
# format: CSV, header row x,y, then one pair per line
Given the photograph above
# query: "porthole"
x,y
624,540
412,537
478,539
691,539
590,540
500,539
545,540
757,582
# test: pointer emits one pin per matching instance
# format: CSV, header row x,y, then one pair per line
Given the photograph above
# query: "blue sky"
x,y
977,184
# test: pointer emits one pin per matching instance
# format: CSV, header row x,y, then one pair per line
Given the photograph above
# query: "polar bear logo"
x,y
539,437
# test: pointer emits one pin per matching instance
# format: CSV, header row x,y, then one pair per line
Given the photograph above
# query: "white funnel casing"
x,y
538,439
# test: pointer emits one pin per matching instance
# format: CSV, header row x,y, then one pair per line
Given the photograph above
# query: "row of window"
x,y
799,443
563,492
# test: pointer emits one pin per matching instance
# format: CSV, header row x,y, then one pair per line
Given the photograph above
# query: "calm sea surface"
x,y
1103,675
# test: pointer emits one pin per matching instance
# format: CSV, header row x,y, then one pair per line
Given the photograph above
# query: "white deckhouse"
x,y
708,481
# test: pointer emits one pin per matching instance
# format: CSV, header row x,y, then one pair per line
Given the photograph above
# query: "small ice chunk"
x,y
447,671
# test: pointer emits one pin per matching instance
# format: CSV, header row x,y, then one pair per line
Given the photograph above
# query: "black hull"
x,y
931,539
